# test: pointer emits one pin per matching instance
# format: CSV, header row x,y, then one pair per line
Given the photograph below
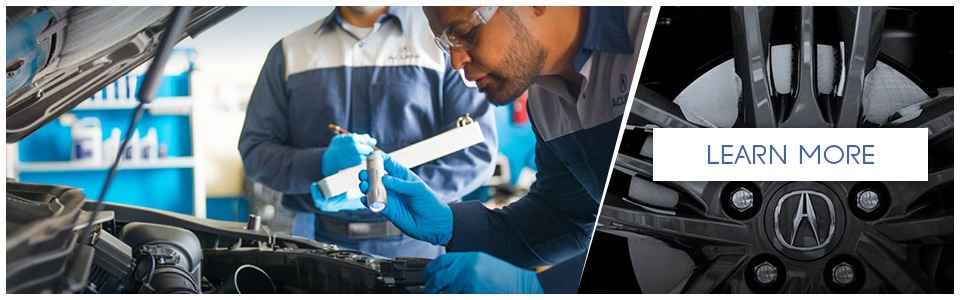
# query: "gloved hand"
x,y
478,273
346,201
411,205
344,151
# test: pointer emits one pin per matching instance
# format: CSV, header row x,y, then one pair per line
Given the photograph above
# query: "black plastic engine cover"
x,y
302,271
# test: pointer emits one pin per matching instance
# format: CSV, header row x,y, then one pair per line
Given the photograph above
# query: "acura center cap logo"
x,y
804,220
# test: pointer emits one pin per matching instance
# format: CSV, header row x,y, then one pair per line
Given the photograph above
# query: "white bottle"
x,y
132,88
98,96
148,146
86,136
122,89
111,90
110,146
132,151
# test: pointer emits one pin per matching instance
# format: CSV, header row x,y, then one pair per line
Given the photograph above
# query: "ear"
x,y
539,10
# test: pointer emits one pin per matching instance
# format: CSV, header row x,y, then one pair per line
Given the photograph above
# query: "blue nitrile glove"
x,y
344,151
346,201
478,273
411,205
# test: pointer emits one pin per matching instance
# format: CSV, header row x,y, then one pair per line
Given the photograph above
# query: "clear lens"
x,y
442,43
450,39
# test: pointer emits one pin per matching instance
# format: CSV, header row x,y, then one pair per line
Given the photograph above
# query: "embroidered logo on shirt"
x,y
621,99
405,55
623,83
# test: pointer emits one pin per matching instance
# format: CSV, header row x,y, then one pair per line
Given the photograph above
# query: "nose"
x,y
459,58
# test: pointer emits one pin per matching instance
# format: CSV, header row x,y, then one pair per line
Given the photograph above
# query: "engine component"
x,y
41,239
405,271
248,279
112,265
161,270
316,271
253,222
168,260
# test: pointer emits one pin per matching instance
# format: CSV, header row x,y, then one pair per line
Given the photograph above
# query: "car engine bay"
x,y
141,250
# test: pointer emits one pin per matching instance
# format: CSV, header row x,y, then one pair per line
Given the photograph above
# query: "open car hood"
x,y
57,57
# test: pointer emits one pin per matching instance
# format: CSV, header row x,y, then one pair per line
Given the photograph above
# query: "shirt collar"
x,y
393,13
606,31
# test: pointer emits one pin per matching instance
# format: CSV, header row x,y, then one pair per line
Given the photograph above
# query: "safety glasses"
x,y
462,35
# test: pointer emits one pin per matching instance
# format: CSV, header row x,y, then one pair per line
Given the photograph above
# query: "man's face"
x,y
505,56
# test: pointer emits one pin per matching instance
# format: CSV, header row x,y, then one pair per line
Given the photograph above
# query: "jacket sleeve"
x,y
453,176
265,140
563,278
550,224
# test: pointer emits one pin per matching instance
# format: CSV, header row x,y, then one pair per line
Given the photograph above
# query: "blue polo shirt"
x,y
576,136
393,84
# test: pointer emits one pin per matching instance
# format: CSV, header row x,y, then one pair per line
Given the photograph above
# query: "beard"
x,y
524,61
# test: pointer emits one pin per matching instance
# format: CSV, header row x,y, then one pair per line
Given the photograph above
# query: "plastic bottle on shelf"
x,y
86,136
132,151
111,90
122,89
148,146
98,96
111,145
131,87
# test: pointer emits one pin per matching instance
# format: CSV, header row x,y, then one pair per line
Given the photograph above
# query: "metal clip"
x,y
464,120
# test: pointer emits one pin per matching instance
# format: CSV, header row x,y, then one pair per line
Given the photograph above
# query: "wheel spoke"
x,y
905,193
806,112
719,271
692,229
861,27
695,189
633,166
749,48
889,268
656,108
936,116
795,285
638,167
935,230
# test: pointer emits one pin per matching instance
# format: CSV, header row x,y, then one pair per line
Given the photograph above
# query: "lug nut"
x,y
868,200
766,273
742,199
843,274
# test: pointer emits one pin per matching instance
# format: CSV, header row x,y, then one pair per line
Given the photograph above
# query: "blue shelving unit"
x,y
168,183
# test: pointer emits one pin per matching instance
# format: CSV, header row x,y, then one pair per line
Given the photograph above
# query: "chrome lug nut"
x,y
765,273
843,274
868,200
742,199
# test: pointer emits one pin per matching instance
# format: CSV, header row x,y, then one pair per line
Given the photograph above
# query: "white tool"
x,y
467,134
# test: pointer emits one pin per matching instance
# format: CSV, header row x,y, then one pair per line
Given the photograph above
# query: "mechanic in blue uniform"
x,y
580,62
372,70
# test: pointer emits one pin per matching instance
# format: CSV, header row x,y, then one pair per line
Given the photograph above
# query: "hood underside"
x,y
57,57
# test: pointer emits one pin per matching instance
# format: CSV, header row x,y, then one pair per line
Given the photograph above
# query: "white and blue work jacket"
x,y
576,136
394,84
